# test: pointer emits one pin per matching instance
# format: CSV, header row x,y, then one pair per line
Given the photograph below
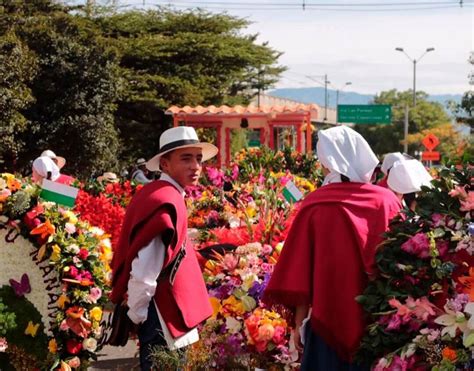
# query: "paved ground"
x,y
118,358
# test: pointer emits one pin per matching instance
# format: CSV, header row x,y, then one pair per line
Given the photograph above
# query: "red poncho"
x,y
328,255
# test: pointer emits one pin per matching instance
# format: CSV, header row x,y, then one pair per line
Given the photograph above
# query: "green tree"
x,y
181,58
75,89
389,138
17,69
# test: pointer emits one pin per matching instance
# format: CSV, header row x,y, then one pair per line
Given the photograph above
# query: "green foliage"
x,y
389,138
17,69
439,217
181,58
24,312
7,319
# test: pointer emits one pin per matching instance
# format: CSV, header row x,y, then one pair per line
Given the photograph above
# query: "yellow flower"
x,y
56,254
41,253
232,307
62,300
216,306
53,346
250,211
96,313
69,215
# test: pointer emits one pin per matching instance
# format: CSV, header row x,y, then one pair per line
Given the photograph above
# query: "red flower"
x,y
83,254
73,346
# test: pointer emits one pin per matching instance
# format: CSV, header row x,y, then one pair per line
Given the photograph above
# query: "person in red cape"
x,y
329,253
60,162
155,269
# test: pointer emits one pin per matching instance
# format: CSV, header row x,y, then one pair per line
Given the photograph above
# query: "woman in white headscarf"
x,y
44,168
330,252
406,179
388,161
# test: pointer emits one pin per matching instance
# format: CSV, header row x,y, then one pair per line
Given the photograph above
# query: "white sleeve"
x,y
146,268
140,177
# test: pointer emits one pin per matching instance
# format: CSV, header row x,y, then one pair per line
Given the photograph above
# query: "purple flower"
x,y
470,229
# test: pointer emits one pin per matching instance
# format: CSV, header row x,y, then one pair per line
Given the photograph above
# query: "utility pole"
x,y
325,84
405,131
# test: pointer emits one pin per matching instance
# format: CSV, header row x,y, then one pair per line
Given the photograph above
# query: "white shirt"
x,y
140,177
146,268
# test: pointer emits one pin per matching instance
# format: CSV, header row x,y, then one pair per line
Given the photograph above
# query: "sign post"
x,y
430,142
365,113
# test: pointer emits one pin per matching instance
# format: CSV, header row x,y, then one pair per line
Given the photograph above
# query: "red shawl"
x,y
328,255
148,215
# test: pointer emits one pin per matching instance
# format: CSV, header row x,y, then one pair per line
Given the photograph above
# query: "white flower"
x,y
233,325
72,248
3,343
89,344
452,321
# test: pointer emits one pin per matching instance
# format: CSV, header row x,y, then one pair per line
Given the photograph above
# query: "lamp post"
x,y
347,83
414,61
340,90
325,83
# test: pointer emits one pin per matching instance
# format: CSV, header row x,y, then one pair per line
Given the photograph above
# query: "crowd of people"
x,y
325,263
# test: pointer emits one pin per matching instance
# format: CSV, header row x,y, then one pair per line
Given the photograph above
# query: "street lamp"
x,y
340,90
415,61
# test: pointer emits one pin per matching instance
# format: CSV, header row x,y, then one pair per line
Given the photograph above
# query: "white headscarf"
x,y
390,159
45,164
408,176
344,151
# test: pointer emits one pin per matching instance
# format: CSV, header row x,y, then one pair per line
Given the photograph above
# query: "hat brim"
x,y
61,161
208,151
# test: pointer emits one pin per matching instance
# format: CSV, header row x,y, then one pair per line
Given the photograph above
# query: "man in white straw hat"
x,y
155,268
140,173
329,253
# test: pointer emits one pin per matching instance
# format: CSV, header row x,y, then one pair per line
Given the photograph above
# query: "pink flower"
x,y
442,247
437,220
230,261
64,326
83,254
458,192
279,335
70,228
394,323
74,362
418,245
267,268
94,295
468,203
3,345
265,332
216,176
235,172
267,249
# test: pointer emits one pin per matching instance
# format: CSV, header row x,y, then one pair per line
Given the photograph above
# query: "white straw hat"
x,y
61,161
180,137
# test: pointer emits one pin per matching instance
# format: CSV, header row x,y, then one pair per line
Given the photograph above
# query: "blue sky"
x,y
358,45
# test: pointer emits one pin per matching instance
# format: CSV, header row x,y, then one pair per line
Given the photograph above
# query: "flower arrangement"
x,y
422,302
243,332
66,264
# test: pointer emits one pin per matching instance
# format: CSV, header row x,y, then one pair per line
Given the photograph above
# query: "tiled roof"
x,y
252,109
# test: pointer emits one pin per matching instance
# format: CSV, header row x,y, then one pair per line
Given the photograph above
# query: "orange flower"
x,y
44,230
13,184
449,354
468,283
75,312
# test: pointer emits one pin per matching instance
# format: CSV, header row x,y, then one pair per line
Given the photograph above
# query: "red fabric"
x,y
328,255
383,182
65,179
159,209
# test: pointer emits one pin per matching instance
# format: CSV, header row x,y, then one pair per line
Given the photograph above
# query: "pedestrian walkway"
x,y
118,358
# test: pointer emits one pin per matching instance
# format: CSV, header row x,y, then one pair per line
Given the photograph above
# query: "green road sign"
x,y
365,113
